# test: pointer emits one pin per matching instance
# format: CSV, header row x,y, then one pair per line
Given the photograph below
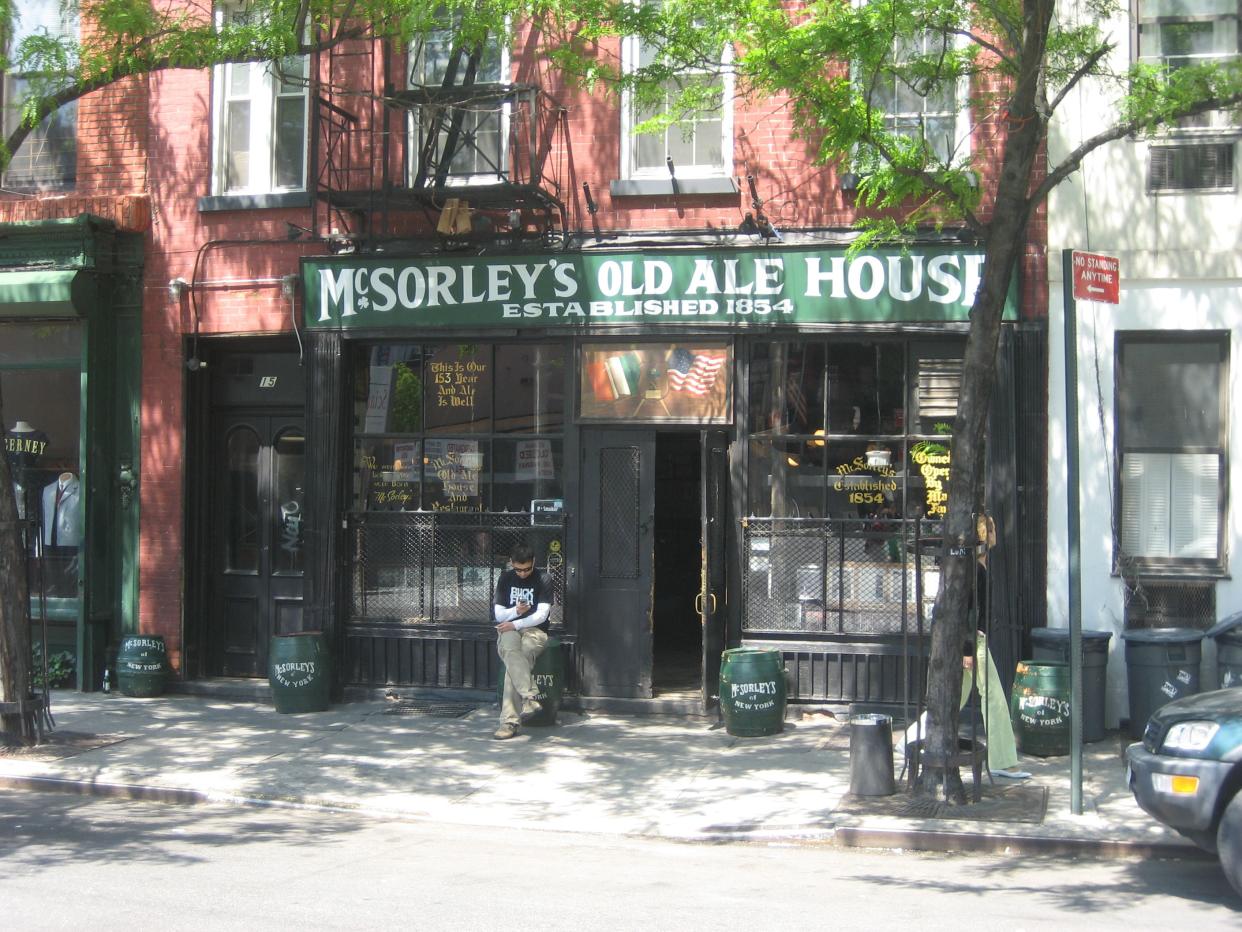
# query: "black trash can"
x,y
1162,664
1053,644
549,676
1228,636
871,756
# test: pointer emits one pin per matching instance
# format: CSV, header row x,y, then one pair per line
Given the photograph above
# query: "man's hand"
x,y
522,608
505,626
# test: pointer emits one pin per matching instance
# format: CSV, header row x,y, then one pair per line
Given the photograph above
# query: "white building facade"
x,y
1157,388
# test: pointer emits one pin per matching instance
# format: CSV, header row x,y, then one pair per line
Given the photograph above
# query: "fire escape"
x,y
464,162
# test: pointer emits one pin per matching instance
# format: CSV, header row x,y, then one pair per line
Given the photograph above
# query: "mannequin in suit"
x,y
62,512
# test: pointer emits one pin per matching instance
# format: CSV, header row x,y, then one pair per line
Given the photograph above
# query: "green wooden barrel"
x,y
549,676
299,672
752,692
1040,707
141,665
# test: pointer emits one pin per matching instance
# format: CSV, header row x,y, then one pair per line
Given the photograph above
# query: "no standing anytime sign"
x,y
1097,278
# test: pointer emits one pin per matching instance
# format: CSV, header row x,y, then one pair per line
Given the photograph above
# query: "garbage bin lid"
x,y
870,718
1161,635
1052,635
1226,625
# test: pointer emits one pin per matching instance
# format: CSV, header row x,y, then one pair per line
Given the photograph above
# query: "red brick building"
x,y
384,336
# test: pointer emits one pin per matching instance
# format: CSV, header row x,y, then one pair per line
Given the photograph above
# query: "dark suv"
x,y
1187,772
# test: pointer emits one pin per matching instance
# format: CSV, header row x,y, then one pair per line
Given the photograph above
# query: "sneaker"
x,y
505,732
531,708
1012,774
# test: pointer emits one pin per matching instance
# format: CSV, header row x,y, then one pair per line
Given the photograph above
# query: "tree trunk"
x,y
1006,236
14,608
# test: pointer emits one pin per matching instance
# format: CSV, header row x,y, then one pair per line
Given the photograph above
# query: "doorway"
x,y
654,509
256,498
677,636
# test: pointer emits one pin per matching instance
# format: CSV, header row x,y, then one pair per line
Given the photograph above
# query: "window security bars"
x,y
441,568
858,578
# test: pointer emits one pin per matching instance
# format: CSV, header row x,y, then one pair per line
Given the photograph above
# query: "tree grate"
x,y
426,707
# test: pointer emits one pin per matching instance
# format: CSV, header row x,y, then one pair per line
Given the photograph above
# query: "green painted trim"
x,y
719,289
48,293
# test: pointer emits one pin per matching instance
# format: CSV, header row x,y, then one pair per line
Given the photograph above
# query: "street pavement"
x,y
652,776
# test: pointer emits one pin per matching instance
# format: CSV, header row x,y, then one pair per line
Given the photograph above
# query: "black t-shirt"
x,y
535,588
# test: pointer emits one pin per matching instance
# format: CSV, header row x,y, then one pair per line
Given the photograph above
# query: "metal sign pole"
x,y
1074,533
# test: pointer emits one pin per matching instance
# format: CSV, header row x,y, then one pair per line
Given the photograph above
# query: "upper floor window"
x,y
1178,33
48,158
699,142
475,125
1171,420
259,119
919,107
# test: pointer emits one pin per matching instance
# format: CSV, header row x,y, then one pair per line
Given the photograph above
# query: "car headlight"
x,y
1190,736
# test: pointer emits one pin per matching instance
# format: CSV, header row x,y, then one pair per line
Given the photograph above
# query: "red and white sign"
x,y
1097,278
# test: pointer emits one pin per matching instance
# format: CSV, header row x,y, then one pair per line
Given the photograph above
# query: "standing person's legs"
x,y
518,650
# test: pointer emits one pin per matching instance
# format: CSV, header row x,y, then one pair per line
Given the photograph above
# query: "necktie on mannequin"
x,y
60,493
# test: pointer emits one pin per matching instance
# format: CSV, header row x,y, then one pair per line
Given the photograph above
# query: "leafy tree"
x,y
834,62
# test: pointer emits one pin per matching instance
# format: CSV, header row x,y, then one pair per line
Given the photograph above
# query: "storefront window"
x,y
40,382
429,421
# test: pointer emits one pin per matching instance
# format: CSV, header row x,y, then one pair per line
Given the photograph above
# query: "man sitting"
x,y
521,607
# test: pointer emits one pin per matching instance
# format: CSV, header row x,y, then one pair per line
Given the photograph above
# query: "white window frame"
x,y
1213,122
1172,497
40,16
631,54
963,127
263,95
499,102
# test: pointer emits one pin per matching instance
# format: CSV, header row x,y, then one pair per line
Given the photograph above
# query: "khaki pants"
x,y
518,650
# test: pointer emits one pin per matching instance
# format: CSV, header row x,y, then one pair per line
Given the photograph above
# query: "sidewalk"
x,y
602,774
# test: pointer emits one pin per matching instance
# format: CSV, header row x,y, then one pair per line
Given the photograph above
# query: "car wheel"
x,y
1229,842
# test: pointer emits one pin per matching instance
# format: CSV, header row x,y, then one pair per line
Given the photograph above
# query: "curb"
x,y
822,833
978,843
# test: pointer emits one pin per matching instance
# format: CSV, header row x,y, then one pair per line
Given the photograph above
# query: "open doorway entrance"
x,y
677,634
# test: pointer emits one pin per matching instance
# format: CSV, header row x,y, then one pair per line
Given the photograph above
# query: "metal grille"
x,y
618,512
429,567
1164,604
854,577
427,707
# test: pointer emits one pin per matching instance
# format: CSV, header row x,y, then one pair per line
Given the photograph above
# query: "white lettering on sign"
x,y
294,673
767,688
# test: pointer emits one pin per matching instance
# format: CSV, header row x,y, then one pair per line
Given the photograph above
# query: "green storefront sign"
x,y
718,288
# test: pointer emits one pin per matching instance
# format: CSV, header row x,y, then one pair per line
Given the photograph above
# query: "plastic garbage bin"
x,y
1053,644
1228,636
1162,664
871,756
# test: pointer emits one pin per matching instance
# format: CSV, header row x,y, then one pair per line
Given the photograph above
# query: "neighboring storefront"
x,y
706,447
69,379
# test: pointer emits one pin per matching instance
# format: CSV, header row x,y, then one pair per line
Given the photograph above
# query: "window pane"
x,y
43,413
1169,394
290,141
47,159
289,469
38,342
866,386
459,377
241,535
237,145
455,475
386,474
527,470
530,388
389,389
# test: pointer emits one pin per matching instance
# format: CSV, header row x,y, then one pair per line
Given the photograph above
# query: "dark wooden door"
x,y
714,486
256,504
618,504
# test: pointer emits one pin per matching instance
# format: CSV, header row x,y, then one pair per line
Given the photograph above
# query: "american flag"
x,y
692,372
